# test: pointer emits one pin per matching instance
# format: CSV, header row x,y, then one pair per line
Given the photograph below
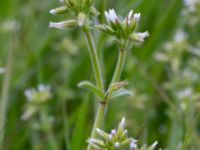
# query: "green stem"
x,y
4,96
94,58
120,65
98,122
99,80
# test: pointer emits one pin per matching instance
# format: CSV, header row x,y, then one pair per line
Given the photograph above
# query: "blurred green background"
x,y
60,59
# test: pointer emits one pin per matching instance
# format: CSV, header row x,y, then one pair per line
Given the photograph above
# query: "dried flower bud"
x,y
118,85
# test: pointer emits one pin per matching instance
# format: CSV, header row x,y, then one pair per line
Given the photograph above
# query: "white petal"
x,y
117,144
154,144
137,17
123,123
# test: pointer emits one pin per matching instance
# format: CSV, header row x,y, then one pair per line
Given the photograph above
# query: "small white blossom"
x,y
130,14
133,144
110,137
137,17
111,15
29,94
123,123
180,36
139,36
95,143
184,93
117,144
113,132
117,139
42,87
2,70
191,4
154,144
91,140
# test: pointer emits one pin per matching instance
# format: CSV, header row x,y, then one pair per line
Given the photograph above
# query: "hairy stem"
x,y
94,58
120,65
98,122
99,81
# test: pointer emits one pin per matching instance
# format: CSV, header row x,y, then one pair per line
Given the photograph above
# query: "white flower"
x,y
136,17
133,144
111,15
123,123
113,132
29,94
42,87
191,4
2,70
180,36
154,144
110,137
185,93
95,143
129,18
139,36
117,144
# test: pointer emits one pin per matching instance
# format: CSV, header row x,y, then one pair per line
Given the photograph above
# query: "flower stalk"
x,y
94,58
119,66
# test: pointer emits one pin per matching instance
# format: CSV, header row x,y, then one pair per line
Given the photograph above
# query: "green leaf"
x,y
91,87
120,92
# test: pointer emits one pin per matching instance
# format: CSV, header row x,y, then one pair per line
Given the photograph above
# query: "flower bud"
x,y
133,144
154,144
71,3
96,143
64,24
118,85
59,10
103,134
139,37
81,19
106,29
88,2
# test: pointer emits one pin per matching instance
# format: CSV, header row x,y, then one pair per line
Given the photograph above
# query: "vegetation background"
x,y
60,59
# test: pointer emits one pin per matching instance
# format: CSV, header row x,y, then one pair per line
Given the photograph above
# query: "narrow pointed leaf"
x,y
91,87
121,92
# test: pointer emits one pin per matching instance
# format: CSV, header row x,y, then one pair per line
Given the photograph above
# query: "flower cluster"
x,y
174,49
123,29
185,76
81,8
117,139
192,10
36,98
192,5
